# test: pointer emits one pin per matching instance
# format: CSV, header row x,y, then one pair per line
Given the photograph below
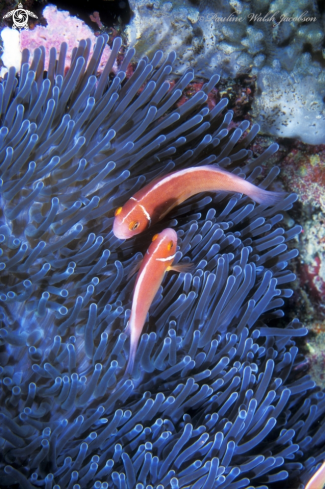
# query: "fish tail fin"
x,y
265,197
130,365
133,351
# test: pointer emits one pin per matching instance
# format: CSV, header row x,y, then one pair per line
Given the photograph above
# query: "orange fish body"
x,y
157,198
156,262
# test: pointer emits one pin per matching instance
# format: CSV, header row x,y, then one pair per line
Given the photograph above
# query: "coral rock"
x,y
61,27
242,37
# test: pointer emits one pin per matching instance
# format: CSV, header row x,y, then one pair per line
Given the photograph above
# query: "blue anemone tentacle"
x,y
215,399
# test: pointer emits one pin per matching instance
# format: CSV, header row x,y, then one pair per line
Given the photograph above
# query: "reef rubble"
x,y
280,42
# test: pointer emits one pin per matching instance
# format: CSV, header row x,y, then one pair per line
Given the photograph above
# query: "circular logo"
x,y
20,17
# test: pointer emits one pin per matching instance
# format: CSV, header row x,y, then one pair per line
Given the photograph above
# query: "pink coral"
x,y
61,28
94,17
304,172
311,276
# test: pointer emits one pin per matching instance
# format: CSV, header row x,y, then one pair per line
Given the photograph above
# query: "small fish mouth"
x,y
118,233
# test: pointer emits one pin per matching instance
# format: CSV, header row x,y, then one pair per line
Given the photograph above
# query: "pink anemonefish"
x,y
318,479
156,262
157,198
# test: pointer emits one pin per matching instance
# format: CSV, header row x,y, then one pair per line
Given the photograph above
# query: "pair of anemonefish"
x,y
148,206
151,204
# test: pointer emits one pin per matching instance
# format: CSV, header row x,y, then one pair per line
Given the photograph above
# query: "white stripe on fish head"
x,y
163,242
171,257
145,212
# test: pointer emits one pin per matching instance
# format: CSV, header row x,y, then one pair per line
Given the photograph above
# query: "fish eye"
x,y
170,245
118,211
134,225
155,237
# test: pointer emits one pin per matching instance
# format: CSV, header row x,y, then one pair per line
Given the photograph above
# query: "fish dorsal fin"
x,y
182,267
134,269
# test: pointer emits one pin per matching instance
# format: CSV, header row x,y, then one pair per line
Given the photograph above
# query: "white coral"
x,y
11,53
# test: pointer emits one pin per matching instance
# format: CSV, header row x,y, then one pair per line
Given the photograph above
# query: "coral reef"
x,y
280,42
228,37
94,17
11,54
312,262
315,353
291,105
61,27
217,398
304,170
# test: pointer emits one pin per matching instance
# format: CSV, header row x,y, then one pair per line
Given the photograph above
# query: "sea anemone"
x,y
218,397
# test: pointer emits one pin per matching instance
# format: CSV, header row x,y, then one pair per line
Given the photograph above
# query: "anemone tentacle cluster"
x,y
217,398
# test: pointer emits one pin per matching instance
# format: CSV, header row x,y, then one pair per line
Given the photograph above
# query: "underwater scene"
x,y
162,230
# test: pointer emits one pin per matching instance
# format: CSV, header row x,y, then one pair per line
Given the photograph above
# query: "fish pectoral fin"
x,y
134,269
173,203
166,212
182,267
